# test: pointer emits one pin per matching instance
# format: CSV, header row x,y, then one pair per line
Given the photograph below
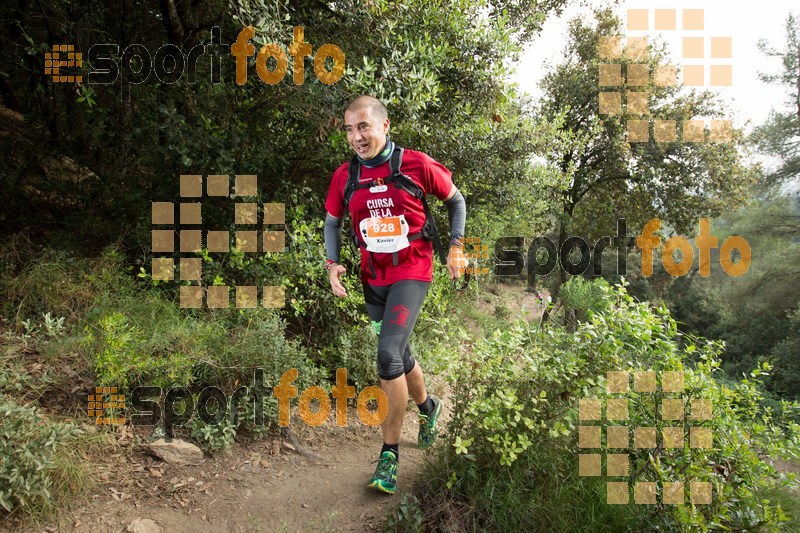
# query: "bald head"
x,y
375,106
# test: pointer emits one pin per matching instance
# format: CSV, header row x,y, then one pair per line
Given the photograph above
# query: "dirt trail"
x,y
262,486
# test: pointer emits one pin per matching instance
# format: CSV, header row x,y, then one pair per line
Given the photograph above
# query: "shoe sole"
x,y
378,485
435,416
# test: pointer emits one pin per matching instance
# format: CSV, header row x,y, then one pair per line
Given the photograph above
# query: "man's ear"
x,y
386,125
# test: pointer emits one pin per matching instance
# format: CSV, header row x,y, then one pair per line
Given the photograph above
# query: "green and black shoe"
x,y
427,425
385,477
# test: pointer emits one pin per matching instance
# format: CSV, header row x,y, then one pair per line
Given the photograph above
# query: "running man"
x,y
381,187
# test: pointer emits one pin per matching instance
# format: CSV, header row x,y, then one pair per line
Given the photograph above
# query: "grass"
x,y
789,500
531,495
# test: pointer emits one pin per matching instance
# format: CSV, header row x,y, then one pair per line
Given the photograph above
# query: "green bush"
x,y
513,431
27,447
584,296
125,362
59,283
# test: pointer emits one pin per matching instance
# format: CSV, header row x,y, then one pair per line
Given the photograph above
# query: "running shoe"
x,y
427,425
385,477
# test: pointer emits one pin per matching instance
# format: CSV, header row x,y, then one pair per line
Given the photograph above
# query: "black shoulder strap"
x,y
404,182
353,175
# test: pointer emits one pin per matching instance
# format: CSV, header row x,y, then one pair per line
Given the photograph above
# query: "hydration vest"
x,y
400,181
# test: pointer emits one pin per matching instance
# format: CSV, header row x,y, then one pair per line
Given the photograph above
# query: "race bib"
x,y
385,234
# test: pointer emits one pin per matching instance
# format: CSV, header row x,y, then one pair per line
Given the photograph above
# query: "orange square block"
x,y
191,297
617,437
637,103
218,185
721,131
617,464
589,436
666,19
700,437
617,493
610,103
191,269
246,185
616,381
218,241
672,437
247,241
722,47
609,47
693,19
644,437
246,297
274,241
163,268
589,464
638,131
162,213
672,381
672,409
693,47
694,75
274,213
665,131
637,74
637,19
191,213
637,48
610,75
673,493
617,408
191,185
191,240
246,213
274,297
693,131
217,297
644,492
163,240
589,409
644,381
700,492
701,409
721,75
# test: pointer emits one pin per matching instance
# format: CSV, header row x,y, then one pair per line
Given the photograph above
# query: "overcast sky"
x,y
745,22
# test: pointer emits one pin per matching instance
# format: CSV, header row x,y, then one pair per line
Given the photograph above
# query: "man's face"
x,y
365,133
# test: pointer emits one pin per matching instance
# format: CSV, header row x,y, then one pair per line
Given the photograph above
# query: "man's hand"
x,y
456,262
334,273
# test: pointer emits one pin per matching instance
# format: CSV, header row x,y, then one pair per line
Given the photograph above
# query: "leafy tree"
x,y
608,177
440,68
780,136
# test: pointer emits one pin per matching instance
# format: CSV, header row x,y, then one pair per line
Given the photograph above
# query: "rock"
x,y
288,448
176,451
144,525
264,463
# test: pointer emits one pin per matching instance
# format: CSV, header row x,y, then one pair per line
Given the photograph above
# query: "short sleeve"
x,y
334,203
437,178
